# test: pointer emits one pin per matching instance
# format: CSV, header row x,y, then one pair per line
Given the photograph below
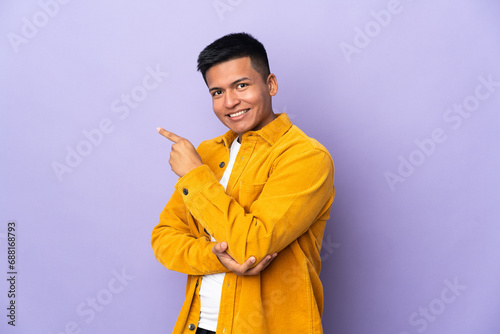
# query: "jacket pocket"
x,y
249,193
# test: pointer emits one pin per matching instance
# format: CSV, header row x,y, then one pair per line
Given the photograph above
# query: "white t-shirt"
x,y
211,285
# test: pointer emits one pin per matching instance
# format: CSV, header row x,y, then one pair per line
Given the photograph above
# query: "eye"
x,y
216,93
242,85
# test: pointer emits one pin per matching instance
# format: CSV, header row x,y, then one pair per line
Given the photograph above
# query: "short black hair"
x,y
233,46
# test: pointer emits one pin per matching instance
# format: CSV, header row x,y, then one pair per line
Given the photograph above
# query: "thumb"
x,y
219,248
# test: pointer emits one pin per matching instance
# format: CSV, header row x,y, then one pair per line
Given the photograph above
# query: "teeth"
x,y
238,113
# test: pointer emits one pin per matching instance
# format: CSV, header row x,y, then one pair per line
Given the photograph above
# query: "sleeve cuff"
x,y
191,183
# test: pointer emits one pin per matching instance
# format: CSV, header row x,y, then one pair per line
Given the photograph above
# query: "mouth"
x,y
238,113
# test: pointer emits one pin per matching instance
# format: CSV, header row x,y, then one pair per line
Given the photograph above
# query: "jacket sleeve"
x,y
267,217
177,247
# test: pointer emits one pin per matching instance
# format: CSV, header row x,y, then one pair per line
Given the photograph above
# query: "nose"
x,y
231,99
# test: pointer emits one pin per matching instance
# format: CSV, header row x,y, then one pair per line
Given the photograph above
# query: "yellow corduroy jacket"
x,y
278,199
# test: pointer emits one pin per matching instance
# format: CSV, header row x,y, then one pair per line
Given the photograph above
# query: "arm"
x,y
176,246
298,192
179,249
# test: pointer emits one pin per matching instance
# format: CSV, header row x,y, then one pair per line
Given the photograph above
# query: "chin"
x,y
240,129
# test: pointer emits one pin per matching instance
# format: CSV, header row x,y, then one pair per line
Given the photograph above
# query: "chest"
x,y
253,165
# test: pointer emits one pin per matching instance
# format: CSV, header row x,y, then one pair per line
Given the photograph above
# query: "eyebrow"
x,y
232,83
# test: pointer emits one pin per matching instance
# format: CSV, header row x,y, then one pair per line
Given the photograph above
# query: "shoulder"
x,y
296,146
295,140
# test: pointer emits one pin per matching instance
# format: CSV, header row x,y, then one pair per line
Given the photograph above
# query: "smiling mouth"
x,y
239,113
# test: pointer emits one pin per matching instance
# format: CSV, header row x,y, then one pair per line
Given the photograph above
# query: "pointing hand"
x,y
183,156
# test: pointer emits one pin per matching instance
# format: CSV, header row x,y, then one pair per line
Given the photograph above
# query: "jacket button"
x,y
191,327
222,164
185,191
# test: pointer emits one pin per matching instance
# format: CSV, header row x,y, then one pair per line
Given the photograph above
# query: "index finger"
x,y
169,135
247,265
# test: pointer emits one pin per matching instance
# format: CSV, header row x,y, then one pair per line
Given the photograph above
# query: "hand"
x,y
245,269
183,157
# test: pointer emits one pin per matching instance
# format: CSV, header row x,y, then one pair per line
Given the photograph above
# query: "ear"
x,y
272,84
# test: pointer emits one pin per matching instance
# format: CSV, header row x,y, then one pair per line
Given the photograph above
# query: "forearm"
x,y
281,214
178,244
184,253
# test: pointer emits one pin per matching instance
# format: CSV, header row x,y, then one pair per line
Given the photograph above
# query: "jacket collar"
x,y
270,133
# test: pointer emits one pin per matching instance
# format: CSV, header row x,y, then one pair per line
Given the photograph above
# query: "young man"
x,y
247,217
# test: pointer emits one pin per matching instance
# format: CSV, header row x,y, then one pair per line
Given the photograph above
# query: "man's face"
x,y
241,99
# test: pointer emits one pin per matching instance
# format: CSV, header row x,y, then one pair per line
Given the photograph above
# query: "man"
x,y
249,210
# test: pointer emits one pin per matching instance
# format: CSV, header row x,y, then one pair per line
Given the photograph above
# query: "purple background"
x,y
391,250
